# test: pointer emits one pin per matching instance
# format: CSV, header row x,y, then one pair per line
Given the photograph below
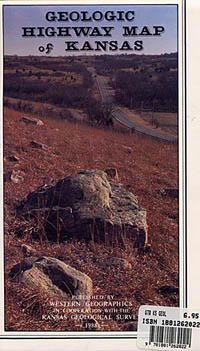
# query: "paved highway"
x,y
105,97
124,119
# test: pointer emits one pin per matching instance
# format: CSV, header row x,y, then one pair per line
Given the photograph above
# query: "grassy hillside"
x,y
144,166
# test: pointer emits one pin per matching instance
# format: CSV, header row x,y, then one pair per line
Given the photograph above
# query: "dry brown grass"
x,y
143,164
165,121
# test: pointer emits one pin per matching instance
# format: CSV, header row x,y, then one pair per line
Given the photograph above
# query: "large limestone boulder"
x,y
87,206
52,276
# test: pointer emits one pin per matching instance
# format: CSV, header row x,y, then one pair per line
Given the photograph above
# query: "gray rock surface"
x,y
52,276
25,264
87,206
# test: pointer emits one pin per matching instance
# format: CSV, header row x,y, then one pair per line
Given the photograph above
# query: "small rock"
x,y
117,262
17,176
174,193
52,276
127,149
13,158
32,120
36,145
28,250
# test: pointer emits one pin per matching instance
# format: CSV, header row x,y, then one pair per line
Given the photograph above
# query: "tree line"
x,y
132,89
19,85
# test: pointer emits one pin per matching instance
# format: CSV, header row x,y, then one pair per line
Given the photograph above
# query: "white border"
x,y
193,147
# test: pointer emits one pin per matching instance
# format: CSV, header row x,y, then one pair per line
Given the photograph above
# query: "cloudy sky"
x,y
18,16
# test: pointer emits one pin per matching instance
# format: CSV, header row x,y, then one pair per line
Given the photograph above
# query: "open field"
x,y
167,122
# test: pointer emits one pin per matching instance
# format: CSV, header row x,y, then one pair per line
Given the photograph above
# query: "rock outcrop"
x,y
53,276
87,206
32,121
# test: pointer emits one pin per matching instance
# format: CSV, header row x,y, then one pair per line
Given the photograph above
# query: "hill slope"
x,y
144,165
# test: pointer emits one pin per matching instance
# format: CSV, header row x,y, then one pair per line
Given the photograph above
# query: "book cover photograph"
x,y
92,122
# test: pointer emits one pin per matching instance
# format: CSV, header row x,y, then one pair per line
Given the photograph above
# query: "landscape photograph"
x,y
90,165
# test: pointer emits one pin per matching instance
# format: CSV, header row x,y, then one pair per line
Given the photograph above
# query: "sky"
x,y
18,16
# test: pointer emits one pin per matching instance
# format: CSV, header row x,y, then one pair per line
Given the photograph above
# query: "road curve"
x,y
124,119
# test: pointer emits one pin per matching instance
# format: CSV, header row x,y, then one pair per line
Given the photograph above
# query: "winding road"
x,y
124,119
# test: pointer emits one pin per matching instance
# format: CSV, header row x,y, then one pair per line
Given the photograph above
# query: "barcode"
x,y
170,336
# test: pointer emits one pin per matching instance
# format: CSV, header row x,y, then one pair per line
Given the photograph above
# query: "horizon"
x,y
92,55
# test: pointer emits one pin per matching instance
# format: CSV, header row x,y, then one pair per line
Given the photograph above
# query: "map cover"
x,y
94,167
